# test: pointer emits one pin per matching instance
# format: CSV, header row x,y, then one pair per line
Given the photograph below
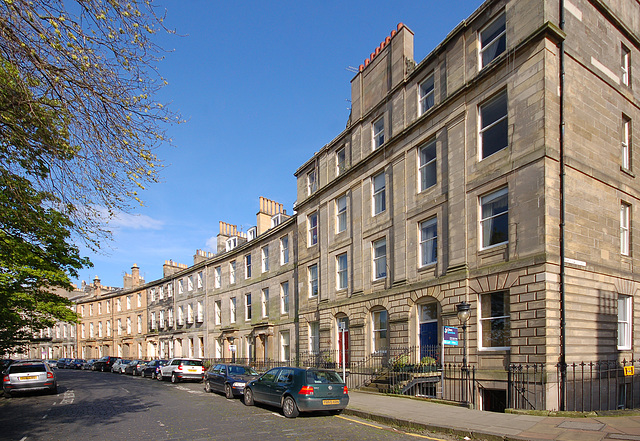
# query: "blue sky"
x,y
261,86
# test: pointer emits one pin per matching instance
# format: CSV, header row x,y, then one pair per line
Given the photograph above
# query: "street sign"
x,y
232,348
450,336
629,371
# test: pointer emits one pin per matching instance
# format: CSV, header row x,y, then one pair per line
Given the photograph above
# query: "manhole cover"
x,y
581,425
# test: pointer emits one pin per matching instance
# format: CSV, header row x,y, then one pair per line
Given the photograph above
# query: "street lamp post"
x,y
464,312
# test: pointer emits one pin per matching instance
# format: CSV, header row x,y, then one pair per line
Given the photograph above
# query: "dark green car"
x,y
298,390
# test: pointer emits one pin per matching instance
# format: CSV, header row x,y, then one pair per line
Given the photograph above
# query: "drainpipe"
x,y
563,322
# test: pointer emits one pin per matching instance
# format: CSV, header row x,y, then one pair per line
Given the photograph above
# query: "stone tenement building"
x,y
498,173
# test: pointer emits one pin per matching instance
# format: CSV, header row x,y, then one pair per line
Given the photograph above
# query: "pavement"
x,y
476,424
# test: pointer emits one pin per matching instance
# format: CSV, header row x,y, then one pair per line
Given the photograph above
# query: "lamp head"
x,y
464,311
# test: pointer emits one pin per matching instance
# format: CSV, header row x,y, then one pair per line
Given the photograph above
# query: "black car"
x,y
132,368
105,363
228,378
298,390
62,363
152,367
77,363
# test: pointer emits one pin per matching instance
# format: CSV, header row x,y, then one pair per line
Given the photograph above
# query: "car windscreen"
x,y
27,368
323,377
240,370
191,363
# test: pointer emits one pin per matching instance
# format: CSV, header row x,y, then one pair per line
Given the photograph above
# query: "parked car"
x,y
77,363
30,375
298,390
88,365
182,369
105,363
62,363
152,368
53,364
119,365
228,378
132,367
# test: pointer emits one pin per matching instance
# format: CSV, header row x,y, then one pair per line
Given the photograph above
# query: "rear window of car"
x,y
191,362
22,369
323,377
240,370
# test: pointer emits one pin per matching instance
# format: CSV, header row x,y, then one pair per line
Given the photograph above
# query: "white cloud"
x,y
122,220
212,243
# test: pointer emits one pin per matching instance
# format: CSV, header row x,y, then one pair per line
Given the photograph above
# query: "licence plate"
x,y
327,402
193,370
32,377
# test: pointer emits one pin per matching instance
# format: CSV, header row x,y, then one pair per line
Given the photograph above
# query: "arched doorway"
x,y
428,330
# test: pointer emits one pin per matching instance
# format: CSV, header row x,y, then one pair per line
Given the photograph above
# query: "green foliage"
x,y
78,127
36,255
93,62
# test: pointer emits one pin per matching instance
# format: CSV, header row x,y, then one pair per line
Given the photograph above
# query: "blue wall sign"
x,y
450,336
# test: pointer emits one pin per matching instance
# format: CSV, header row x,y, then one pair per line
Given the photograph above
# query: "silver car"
x,y
31,375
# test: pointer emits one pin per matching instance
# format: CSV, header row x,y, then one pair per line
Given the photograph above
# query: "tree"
x,y
78,127
92,61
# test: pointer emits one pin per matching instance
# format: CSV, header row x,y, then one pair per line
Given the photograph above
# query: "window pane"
x,y
428,166
495,218
429,241
493,40
494,125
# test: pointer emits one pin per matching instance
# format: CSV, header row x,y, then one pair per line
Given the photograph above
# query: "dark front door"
x,y
429,340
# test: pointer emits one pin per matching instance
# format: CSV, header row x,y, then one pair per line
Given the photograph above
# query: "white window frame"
x,y
91,331
108,329
190,283
265,302
486,318
217,277
625,322
190,317
482,48
200,311
341,213
199,279
217,312
427,165
284,250
375,330
342,273
626,142
377,133
426,96
314,284
625,65
139,324
232,272
379,258
139,300
129,325
233,312
312,182
284,298
264,252
314,337
486,199
285,347
429,242
181,286
341,160
247,266
378,194
247,307
497,124
625,229
99,330
99,308
312,229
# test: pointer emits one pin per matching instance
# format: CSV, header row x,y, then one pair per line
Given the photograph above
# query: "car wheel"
x,y
174,378
248,397
104,369
228,392
159,376
289,407
153,375
207,386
